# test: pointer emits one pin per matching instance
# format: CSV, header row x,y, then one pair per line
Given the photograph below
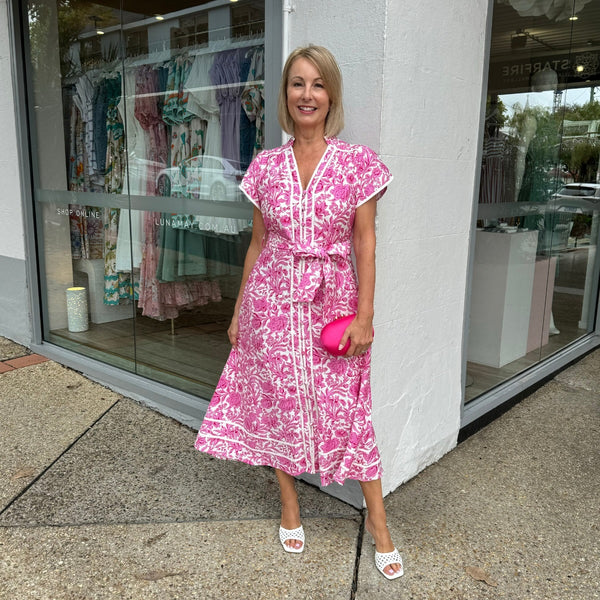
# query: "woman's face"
x,y
307,99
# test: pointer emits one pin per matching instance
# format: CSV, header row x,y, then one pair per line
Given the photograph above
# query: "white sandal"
x,y
384,559
291,534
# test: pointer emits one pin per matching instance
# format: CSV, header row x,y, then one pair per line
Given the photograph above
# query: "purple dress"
x,y
283,400
225,75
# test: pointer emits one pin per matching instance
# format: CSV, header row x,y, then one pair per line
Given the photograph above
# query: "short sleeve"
x,y
251,182
373,178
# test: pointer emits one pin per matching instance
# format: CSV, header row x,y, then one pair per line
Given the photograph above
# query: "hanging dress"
x,y
283,400
130,233
87,229
118,285
164,299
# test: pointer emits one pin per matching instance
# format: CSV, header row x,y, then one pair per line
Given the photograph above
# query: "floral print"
x,y
87,232
117,285
282,399
175,107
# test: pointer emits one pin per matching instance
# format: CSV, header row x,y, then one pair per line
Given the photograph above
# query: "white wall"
x,y
353,31
15,311
413,76
433,79
11,218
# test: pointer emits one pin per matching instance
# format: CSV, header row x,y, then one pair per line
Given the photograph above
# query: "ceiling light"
x,y
159,17
573,18
580,68
99,32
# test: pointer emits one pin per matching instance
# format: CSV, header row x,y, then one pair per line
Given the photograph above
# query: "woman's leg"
x,y
376,522
290,510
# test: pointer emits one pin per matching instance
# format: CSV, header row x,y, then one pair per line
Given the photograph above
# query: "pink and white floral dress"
x,y
283,400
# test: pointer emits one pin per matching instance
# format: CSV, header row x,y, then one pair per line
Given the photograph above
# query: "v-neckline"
x,y
316,169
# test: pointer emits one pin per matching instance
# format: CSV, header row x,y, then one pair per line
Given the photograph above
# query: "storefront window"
x,y
144,120
535,278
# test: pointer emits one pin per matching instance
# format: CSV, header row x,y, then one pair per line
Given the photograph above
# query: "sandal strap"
x,y
384,559
291,534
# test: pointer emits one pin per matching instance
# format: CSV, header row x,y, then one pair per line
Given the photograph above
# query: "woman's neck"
x,y
307,140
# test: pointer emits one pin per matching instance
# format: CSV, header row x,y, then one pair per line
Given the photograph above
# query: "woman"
x,y
283,400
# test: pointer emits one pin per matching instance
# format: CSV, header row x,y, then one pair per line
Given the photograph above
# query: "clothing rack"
x,y
214,48
108,68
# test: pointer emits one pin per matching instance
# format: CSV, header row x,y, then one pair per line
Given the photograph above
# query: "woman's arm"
x,y
360,331
254,249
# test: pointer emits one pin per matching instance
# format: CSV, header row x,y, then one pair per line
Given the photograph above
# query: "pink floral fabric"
x,y
283,400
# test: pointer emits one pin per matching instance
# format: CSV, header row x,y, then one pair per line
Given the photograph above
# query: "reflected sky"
x,y
545,99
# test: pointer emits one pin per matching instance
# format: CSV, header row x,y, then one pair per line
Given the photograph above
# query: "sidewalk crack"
x,y
48,467
361,532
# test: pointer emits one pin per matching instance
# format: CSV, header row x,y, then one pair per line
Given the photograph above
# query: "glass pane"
x,y
534,283
76,78
195,121
158,117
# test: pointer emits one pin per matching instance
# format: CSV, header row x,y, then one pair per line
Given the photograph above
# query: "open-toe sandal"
x,y
291,534
384,559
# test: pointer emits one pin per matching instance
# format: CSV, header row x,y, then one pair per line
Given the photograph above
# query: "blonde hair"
x,y
330,72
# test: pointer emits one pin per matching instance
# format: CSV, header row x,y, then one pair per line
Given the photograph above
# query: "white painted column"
x,y
11,218
413,82
433,85
15,311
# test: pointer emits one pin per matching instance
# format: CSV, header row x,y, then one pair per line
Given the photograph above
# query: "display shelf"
x,y
503,276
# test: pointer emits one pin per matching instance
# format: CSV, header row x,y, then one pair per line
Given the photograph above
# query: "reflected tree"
x,y
581,152
63,21
581,158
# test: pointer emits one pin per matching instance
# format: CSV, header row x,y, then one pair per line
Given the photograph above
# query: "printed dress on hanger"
x,y
282,399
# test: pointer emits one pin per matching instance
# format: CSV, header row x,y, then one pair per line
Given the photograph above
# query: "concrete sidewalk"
x,y
103,498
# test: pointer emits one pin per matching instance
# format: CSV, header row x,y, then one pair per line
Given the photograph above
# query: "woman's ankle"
x,y
290,515
377,520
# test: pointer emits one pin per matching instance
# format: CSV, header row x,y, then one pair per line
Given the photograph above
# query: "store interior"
x,y
535,274
147,119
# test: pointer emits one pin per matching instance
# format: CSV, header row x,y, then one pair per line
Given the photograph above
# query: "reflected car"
x,y
577,198
569,215
206,177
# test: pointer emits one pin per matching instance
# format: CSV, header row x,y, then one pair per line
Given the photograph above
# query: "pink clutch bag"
x,y
332,334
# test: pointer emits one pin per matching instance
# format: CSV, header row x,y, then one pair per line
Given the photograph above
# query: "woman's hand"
x,y
234,330
360,334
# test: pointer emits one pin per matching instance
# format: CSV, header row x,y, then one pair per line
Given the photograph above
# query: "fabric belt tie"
x,y
319,267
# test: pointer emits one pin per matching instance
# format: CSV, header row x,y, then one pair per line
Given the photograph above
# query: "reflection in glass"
x,y
534,283
144,126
